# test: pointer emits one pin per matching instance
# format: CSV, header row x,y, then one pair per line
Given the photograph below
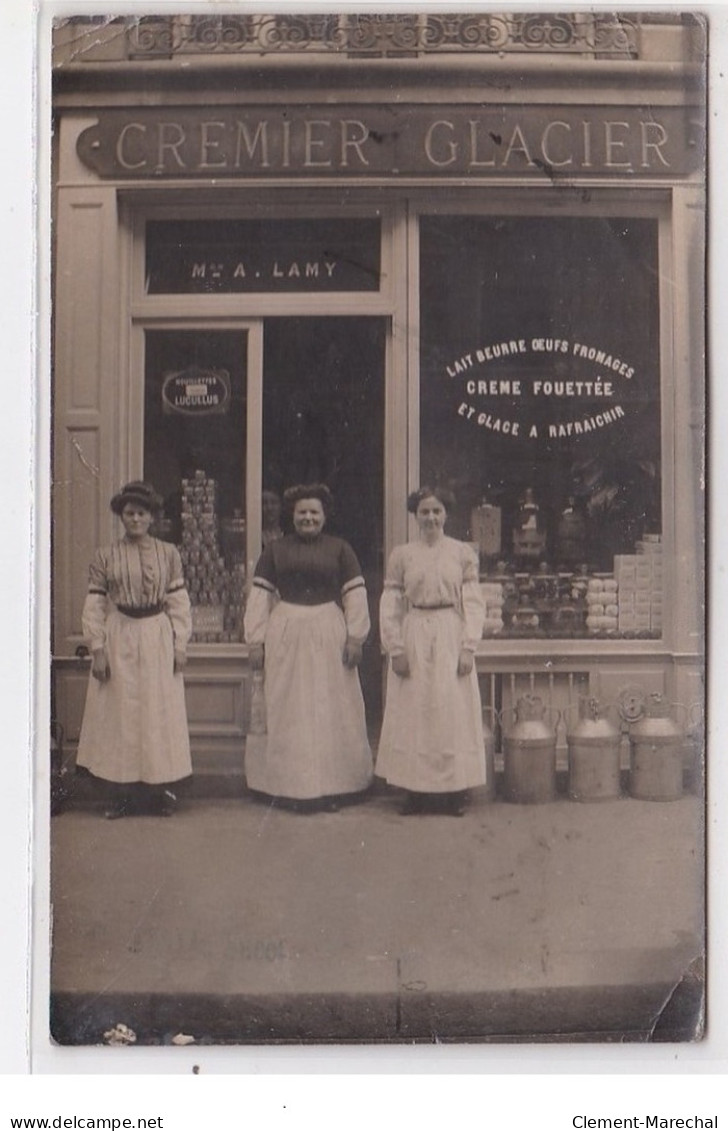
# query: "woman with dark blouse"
x,y
305,623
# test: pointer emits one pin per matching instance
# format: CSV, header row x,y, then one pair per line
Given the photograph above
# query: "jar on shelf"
x,y
571,534
529,537
485,529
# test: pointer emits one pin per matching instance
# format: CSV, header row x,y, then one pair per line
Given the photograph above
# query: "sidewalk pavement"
x,y
234,922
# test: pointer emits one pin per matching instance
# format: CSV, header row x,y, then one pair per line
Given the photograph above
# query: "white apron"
x,y
135,724
316,742
432,735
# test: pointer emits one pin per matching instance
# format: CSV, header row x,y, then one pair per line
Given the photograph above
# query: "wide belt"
x,y
138,613
432,608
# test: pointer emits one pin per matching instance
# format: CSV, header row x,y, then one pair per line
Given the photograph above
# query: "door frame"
x,y
240,311
253,328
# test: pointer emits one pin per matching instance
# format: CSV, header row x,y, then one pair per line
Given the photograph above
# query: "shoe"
x,y
455,805
118,802
167,803
303,806
115,811
412,804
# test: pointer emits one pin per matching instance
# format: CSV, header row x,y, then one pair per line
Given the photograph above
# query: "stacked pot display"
x,y
216,586
493,600
602,610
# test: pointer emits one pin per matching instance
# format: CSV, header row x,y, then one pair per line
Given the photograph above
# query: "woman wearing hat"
x,y
305,623
136,622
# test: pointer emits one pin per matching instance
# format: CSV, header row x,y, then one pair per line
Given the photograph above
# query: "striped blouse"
x,y
137,575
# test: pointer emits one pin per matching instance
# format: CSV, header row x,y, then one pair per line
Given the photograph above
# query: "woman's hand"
x,y
100,665
256,655
180,660
400,665
465,662
352,653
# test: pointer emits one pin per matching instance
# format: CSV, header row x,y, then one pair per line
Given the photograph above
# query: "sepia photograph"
x,y
377,690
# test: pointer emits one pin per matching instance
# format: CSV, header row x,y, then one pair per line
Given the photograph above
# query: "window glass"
x,y
248,256
194,454
323,421
540,409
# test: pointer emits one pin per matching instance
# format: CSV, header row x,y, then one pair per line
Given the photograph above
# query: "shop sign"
x,y
556,143
228,270
196,392
246,256
542,388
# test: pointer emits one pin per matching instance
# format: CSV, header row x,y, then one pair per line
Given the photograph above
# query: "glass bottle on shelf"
x,y
234,538
529,537
571,534
485,530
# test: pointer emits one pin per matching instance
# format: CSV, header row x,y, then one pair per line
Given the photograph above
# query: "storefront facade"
x,y
378,251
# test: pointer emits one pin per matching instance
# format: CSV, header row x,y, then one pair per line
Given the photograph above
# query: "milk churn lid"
x,y
656,706
631,704
530,707
590,707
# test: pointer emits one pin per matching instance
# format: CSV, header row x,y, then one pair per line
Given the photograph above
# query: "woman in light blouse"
x,y
136,622
431,619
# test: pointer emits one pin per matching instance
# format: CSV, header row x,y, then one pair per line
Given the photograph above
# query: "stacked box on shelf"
x,y
493,597
649,550
625,572
602,609
215,594
640,587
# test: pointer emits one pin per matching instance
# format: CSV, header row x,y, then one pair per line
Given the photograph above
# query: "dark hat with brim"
x,y
137,492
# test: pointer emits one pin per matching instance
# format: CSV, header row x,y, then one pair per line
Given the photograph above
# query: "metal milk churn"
x,y
593,744
529,750
489,742
656,744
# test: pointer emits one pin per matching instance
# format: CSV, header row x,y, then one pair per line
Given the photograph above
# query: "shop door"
x,y
319,385
323,421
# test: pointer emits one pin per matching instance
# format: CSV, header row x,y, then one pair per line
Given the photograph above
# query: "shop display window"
x,y
323,421
262,256
540,409
195,414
